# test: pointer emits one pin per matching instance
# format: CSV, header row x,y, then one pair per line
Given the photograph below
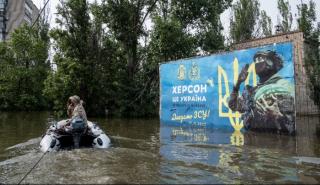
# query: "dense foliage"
x,y
265,24
23,69
286,16
244,20
306,22
108,53
312,58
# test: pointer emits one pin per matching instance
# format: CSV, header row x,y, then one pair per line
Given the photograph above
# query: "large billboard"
x,y
251,88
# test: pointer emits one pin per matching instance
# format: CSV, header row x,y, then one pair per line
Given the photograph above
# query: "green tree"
x,y
265,23
244,20
125,20
85,59
312,60
203,17
307,17
180,30
168,41
101,57
24,67
286,15
306,22
162,45
71,55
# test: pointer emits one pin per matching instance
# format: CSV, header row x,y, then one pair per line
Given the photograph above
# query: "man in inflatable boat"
x,y
74,132
75,111
77,124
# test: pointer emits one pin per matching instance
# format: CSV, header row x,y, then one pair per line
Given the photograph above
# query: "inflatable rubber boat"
x,y
75,135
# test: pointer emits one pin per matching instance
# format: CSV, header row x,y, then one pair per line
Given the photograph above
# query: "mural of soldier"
x,y
270,104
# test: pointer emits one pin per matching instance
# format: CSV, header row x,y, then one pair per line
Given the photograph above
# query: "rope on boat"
x,y
33,167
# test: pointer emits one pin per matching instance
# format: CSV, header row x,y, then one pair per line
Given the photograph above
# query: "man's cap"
x,y
272,56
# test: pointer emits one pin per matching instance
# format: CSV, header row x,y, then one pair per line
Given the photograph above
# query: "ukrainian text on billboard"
x,y
251,88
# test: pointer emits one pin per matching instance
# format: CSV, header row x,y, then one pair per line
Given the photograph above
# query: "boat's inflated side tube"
x,y
49,143
101,139
54,140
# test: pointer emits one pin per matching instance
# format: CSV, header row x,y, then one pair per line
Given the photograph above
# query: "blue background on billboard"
x,y
208,75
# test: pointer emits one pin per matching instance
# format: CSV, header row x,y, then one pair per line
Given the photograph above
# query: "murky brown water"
x,y
145,151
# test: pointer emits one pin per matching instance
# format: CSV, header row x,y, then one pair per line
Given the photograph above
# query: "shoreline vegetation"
x,y
107,55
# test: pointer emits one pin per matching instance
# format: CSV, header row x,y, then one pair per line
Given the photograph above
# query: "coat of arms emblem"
x,y
182,72
194,73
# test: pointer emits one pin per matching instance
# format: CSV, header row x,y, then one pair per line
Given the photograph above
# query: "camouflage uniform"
x,y
254,117
75,109
79,112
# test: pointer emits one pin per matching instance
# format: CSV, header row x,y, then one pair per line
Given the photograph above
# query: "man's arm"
x,y
236,103
234,100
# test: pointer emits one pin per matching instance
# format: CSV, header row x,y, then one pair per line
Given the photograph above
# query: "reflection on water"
x,y
144,152
16,128
83,166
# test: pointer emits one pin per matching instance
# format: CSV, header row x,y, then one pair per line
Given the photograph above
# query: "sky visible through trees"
x,y
270,6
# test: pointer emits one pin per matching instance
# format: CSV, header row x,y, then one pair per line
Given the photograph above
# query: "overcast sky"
x,y
270,6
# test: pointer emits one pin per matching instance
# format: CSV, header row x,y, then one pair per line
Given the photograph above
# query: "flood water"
x,y
145,151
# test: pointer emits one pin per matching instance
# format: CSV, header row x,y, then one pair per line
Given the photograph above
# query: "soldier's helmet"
x,y
275,58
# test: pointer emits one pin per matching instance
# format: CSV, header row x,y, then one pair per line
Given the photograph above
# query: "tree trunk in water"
x,y
132,59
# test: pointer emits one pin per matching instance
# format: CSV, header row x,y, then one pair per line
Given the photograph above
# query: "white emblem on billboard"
x,y
182,72
194,73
